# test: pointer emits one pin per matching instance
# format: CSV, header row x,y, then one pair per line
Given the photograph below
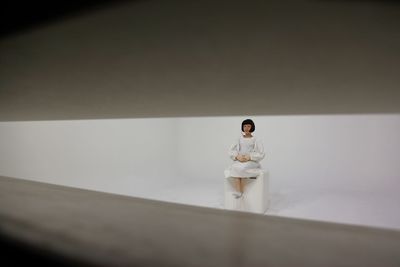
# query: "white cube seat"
x,y
255,196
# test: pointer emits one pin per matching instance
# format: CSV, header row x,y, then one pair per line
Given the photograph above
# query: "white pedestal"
x,y
255,197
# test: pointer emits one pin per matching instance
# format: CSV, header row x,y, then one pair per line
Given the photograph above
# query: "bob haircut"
x,y
248,121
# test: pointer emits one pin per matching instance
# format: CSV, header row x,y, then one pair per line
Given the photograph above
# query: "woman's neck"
x,y
247,135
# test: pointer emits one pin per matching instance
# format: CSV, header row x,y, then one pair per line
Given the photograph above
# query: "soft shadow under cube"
x,y
255,196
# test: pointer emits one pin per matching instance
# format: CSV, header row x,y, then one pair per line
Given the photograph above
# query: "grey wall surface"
x,y
206,58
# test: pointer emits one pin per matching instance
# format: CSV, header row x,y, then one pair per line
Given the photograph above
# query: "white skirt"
x,y
244,169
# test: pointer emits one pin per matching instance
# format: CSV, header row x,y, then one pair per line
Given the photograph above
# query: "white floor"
x,y
349,207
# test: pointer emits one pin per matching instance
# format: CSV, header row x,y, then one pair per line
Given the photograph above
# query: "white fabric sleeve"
x,y
258,153
233,151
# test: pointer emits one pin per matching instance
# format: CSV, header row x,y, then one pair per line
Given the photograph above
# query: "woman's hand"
x,y
243,158
240,158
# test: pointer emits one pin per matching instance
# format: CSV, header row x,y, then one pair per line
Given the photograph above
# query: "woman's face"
x,y
247,128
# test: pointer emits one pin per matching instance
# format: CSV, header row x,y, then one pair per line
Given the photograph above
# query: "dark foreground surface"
x,y
63,226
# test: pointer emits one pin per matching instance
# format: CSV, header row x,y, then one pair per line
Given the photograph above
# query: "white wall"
x,y
131,156
120,156
338,152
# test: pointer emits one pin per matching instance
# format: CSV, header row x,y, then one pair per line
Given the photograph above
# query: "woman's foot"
x,y
237,194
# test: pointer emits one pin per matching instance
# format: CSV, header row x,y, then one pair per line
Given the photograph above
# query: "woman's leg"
x,y
238,187
241,185
238,184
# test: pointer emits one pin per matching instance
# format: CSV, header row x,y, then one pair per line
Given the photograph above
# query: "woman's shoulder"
x,y
258,140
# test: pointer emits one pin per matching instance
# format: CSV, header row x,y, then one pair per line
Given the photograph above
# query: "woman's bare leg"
x,y
241,185
238,186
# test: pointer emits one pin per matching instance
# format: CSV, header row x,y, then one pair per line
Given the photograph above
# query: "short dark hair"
x,y
248,121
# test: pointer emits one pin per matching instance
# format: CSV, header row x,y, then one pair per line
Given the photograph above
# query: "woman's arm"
x,y
233,151
258,153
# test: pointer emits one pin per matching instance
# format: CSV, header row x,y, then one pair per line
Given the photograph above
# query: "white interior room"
x,y
337,168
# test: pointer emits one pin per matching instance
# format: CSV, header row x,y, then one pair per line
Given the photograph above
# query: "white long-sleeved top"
x,y
247,146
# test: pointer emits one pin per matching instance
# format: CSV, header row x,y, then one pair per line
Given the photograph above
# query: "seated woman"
x,y
246,152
